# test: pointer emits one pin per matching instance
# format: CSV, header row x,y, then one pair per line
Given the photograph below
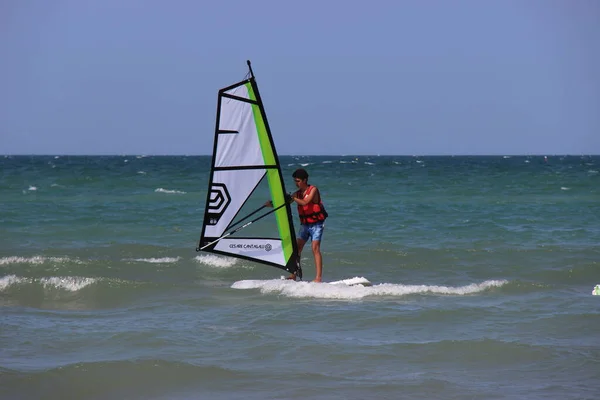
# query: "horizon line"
x,y
306,155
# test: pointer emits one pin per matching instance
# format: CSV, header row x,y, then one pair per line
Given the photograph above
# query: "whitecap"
x,y
69,283
564,188
32,188
36,260
326,291
161,190
163,260
216,261
9,280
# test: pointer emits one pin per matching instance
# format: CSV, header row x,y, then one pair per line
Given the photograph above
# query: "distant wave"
x,y
37,260
324,291
163,260
161,190
216,261
68,283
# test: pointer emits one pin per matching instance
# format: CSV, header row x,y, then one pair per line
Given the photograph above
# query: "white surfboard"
x,y
356,281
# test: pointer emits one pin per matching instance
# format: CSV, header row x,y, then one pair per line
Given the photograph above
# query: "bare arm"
x,y
314,194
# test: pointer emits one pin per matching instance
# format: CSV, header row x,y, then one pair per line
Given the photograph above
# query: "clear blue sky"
x,y
337,77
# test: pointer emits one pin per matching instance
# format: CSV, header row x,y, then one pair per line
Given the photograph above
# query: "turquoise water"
x,y
483,269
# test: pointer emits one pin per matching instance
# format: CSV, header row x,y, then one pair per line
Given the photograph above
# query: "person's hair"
x,y
300,173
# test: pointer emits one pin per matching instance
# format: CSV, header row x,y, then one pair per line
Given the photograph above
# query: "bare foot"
x,y
292,277
318,280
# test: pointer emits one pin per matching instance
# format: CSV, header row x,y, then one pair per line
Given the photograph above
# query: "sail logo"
x,y
218,201
250,246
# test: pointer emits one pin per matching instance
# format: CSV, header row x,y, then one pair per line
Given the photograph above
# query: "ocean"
x,y
482,270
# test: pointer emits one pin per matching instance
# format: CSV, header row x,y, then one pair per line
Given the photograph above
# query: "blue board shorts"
x,y
312,231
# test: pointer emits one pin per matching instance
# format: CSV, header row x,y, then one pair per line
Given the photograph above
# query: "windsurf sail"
x,y
245,173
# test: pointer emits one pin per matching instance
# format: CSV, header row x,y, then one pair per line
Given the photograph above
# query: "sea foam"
x,y
168,191
326,291
216,261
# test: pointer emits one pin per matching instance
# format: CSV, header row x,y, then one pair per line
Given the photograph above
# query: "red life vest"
x,y
312,212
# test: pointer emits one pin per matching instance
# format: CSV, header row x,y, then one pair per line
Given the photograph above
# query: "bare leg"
x,y
316,248
301,244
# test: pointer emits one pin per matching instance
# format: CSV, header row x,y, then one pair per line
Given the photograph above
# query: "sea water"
x,y
482,272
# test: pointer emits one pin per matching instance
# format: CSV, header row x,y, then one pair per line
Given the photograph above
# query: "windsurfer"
x,y
312,217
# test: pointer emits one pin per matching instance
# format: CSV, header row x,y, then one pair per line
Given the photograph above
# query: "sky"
x,y
422,77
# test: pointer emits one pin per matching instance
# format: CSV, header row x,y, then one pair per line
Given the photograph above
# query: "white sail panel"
x,y
268,250
229,191
239,91
241,148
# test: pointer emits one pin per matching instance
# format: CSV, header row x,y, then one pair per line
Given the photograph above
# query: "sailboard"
x,y
245,172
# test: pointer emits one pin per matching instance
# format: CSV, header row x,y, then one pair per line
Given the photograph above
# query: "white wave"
x,y
327,162
369,163
142,172
326,291
69,283
36,260
592,171
163,260
305,164
216,261
161,190
9,280
57,185
32,188
564,188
